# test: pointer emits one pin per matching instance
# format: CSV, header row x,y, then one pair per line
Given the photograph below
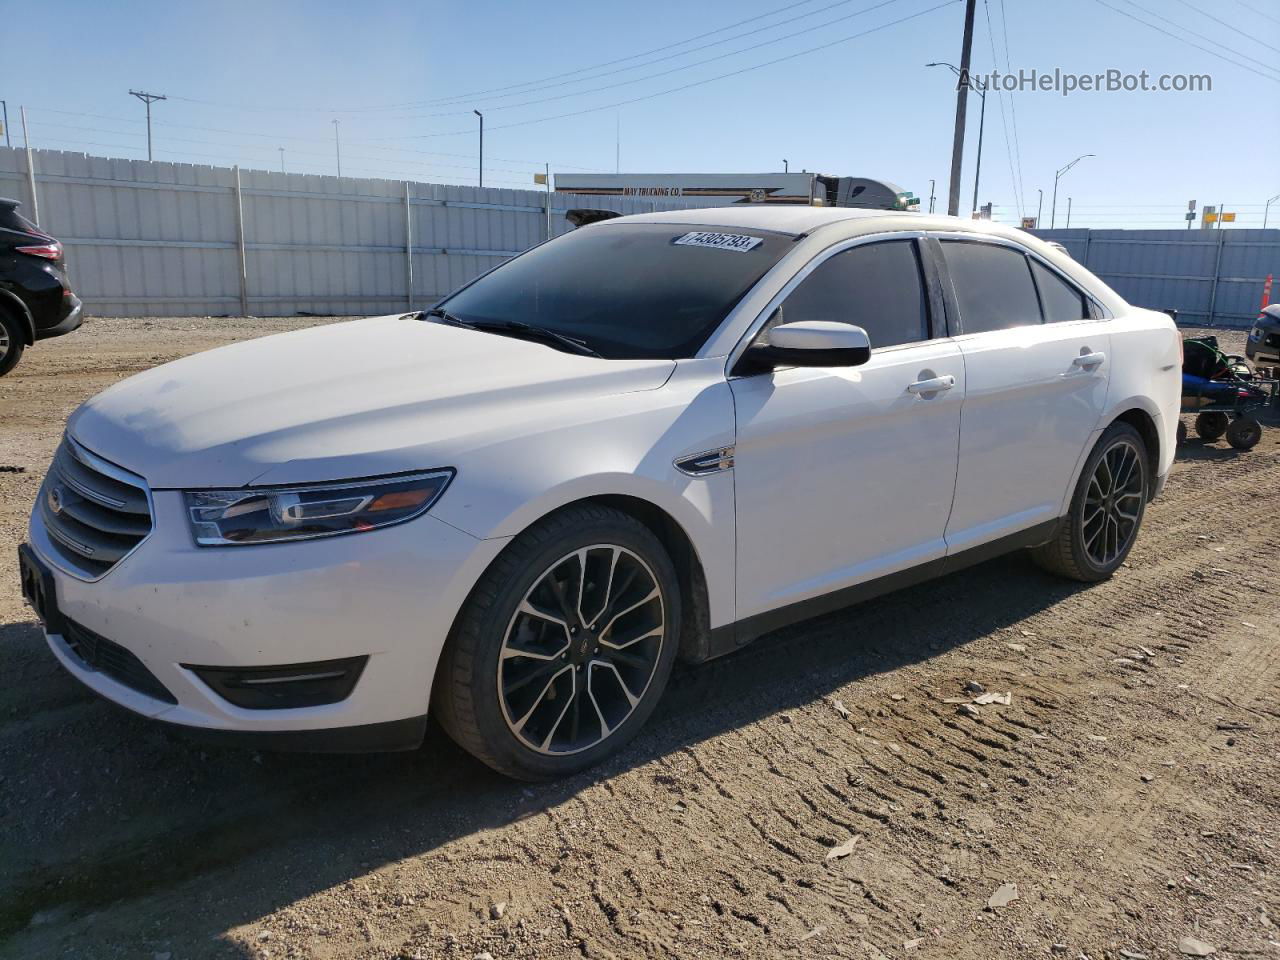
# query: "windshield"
x,y
628,291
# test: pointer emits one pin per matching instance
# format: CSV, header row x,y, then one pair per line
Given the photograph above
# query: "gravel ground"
x,y
820,794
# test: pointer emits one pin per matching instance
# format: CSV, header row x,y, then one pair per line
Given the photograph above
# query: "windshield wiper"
x,y
444,315
516,328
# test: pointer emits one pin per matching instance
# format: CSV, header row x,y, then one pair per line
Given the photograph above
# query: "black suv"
x,y
36,301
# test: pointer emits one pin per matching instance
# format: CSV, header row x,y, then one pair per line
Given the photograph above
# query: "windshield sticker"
x,y
736,242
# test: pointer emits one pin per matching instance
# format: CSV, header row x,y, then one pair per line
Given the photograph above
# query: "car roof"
x,y
803,219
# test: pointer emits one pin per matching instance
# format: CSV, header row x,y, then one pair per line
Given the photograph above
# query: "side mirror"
x,y
812,343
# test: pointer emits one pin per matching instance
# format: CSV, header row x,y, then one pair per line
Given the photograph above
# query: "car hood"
x,y
356,399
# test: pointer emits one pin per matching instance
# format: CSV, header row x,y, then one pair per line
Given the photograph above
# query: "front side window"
x,y
875,285
1061,301
992,284
627,291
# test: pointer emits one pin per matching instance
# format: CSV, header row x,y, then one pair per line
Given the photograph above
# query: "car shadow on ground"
x,y
333,818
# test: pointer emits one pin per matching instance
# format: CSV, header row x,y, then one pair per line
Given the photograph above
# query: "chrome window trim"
x,y
940,235
108,469
823,255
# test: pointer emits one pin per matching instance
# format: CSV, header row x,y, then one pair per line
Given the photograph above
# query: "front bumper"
x,y
390,594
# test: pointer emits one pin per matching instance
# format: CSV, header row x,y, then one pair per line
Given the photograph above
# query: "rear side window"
x,y
1060,300
993,286
876,285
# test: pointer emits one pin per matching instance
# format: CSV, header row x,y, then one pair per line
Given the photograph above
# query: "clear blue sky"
x,y
257,76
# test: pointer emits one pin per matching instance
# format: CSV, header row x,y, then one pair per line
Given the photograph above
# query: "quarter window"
x,y
1060,300
876,286
993,286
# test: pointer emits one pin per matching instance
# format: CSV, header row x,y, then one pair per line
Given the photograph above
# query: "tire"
x,y
1244,433
1211,426
513,693
1076,551
11,342
1182,432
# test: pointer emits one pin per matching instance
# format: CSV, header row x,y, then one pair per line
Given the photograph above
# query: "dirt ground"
x,y
820,794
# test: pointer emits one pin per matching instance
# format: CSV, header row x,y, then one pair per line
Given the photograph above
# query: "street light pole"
x,y
281,149
8,141
148,99
481,116
1053,208
1039,209
981,90
785,167
931,194
337,147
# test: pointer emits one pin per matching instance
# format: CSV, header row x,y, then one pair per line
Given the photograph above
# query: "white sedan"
x,y
656,437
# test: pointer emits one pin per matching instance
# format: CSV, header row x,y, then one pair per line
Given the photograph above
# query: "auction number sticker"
x,y
736,242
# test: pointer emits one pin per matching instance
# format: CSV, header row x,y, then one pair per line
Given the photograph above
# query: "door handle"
x,y
932,385
1086,360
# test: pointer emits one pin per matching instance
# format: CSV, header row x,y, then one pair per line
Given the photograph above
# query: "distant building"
x,y
719,189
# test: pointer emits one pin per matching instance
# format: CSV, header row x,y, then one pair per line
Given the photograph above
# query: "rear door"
x,y
1036,372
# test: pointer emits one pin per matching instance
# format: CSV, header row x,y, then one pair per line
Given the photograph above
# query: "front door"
x,y
846,474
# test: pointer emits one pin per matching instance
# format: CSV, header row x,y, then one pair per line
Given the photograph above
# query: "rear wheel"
x,y
564,647
1211,426
1244,433
11,342
1106,510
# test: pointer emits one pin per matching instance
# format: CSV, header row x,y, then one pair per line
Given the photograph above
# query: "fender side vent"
x,y
707,463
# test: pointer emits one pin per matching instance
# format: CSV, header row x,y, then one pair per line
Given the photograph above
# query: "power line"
x,y
1211,53
1013,112
557,76
1257,11
1201,36
1004,122
276,137
1247,36
688,86
664,73
467,98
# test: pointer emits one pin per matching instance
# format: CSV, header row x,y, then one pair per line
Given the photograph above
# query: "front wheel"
x,y
1211,426
564,646
1106,510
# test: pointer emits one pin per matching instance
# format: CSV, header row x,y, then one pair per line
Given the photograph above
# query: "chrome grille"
x,y
95,512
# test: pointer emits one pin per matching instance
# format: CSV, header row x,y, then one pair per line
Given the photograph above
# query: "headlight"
x,y
271,514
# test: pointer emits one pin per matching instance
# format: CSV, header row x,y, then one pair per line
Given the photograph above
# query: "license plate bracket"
x,y
39,589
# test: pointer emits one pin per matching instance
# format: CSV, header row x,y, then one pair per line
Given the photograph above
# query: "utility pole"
x,y
962,93
1039,209
617,144
8,140
481,116
148,99
31,169
281,149
337,147
931,194
1053,208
